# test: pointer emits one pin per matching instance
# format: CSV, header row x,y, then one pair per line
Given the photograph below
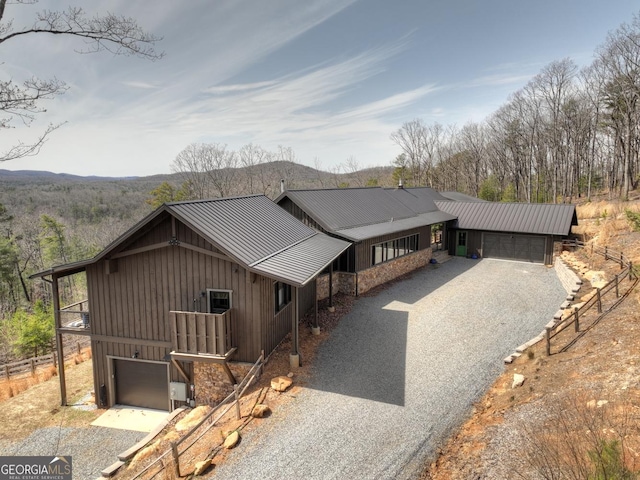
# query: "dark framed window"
x,y
282,292
219,301
385,251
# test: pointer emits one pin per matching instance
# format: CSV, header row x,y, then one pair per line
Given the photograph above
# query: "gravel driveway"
x,y
400,371
92,448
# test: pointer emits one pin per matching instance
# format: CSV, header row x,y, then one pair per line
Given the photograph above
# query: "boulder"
x,y
280,384
193,417
232,440
260,411
201,467
518,380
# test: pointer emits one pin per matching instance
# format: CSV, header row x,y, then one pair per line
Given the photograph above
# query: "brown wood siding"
x,y
363,249
134,302
307,298
275,325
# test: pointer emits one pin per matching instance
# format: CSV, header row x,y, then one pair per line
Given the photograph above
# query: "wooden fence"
x,y
614,286
30,365
181,446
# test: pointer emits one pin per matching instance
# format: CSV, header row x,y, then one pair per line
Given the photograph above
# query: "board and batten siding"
x,y
363,249
130,307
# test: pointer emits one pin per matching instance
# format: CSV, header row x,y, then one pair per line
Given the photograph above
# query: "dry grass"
x,y
32,402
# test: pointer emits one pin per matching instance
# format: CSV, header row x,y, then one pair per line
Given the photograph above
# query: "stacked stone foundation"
x,y
212,383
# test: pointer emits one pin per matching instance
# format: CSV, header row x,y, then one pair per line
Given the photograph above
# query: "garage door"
x,y
141,384
525,248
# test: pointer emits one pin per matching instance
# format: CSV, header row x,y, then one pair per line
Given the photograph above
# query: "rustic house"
x,y
390,231
195,284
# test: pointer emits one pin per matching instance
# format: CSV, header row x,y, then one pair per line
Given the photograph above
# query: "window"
x,y
385,251
282,295
219,301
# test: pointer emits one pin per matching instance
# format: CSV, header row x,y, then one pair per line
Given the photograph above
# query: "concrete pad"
x,y
124,417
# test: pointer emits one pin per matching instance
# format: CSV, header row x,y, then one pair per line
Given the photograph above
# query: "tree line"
x,y
567,133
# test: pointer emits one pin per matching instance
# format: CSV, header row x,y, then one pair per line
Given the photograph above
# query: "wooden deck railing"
x,y
75,315
202,333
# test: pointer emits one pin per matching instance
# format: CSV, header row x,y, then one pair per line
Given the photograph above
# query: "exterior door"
x,y
461,243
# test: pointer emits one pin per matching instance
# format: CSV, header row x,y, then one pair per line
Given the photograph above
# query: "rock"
x,y
260,411
201,467
290,374
280,384
232,440
193,417
518,380
601,403
591,404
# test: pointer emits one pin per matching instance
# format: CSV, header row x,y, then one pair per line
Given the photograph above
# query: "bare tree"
x,y
21,101
208,168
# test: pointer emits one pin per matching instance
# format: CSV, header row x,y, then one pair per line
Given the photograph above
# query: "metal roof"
x,y
460,197
369,231
246,228
251,230
341,208
304,261
548,219
418,199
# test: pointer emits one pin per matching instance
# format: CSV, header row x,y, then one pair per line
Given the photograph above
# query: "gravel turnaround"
x,y
400,372
92,449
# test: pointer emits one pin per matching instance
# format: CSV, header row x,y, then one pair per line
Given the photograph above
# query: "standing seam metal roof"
x,y
247,228
336,209
252,230
548,219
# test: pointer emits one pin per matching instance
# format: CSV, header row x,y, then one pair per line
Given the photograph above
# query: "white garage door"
x,y
525,248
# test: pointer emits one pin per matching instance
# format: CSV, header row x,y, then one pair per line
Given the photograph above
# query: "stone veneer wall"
x,y
322,285
212,383
387,271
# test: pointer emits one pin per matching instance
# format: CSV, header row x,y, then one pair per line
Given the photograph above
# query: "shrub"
x,y
634,219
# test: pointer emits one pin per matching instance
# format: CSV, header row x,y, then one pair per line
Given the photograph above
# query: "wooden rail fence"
x,y
181,446
30,365
612,287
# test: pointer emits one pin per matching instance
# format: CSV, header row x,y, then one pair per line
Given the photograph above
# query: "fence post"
x,y
577,321
33,367
606,253
237,395
631,274
548,337
599,300
621,261
176,458
617,290
6,371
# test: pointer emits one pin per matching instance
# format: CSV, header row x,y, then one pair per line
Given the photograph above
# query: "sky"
x,y
331,79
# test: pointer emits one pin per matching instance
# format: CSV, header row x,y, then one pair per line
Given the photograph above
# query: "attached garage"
x,y
141,384
515,231
525,248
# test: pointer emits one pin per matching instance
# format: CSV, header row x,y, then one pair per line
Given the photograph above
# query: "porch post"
x,y
59,348
294,357
315,329
331,308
